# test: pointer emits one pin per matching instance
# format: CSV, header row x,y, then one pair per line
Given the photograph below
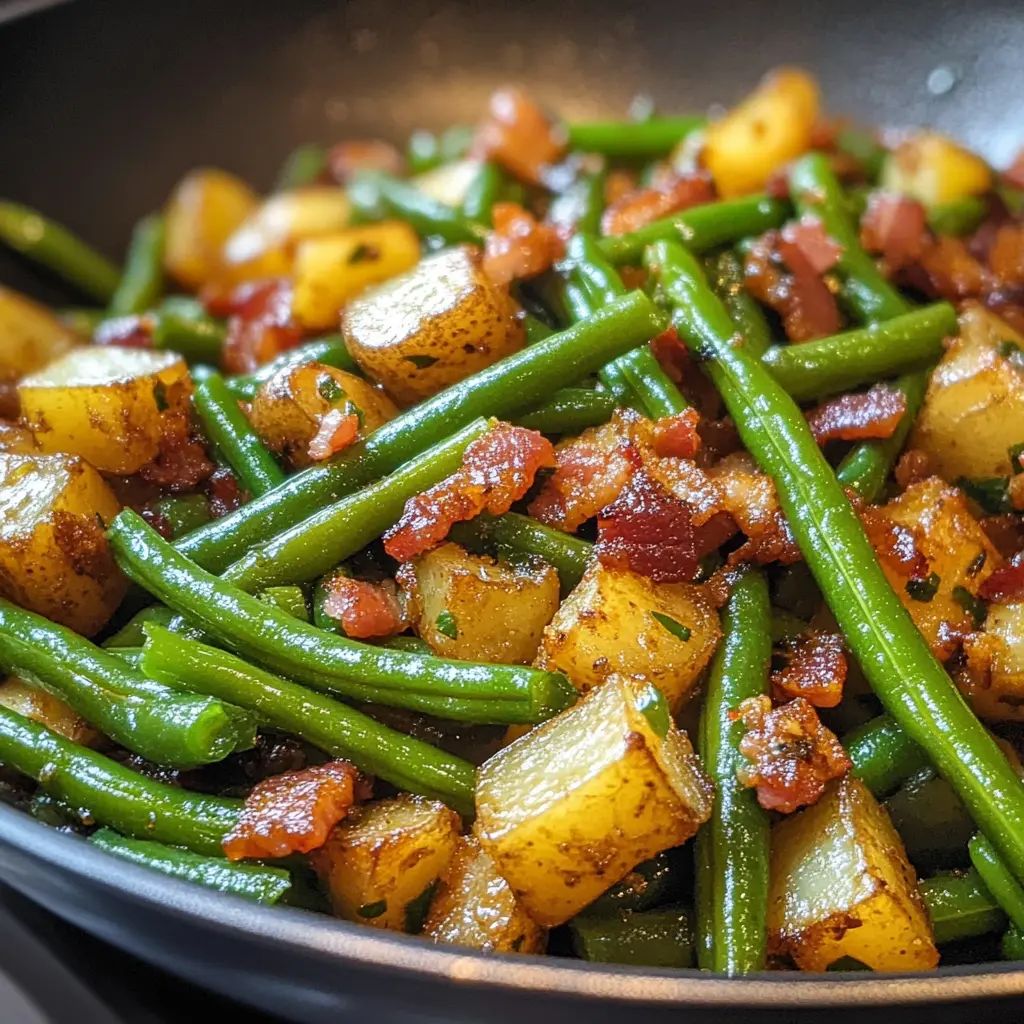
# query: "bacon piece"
x,y
676,436
894,226
649,531
793,756
225,494
950,271
125,332
670,194
260,323
1006,531
1007,255
672,355
293,812
866,415
364,609
519,136
519,247
337,430
1005,584
815,669
911,468
808,235
346,159
618,184
182,463
896,545
497,470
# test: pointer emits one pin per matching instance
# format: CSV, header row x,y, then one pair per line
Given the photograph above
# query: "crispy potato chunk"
x,y
994,678
332,270
841,885
53,555
474,907
41,706
31,337
933,169
974,409
619,621
772,126
431,327
381,865
106,404
571,807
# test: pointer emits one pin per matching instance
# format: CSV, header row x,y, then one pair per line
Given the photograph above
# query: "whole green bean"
x,y
591,270
335,728
142,283
108,793
536,330
317,544
303,166
841,362
725,274
568,411
904,674
617,384
960,907
230,430
55,248
738,833
183,514
657,391
647,938
1013,943
254,882
182,325
636,140
330,351
960,217
997,878
449,689
483,192
527,376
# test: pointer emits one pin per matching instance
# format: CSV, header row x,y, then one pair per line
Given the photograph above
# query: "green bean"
x,y
182,325
650,884
376,196
960,217
82,321
230,430
816,192
657,391
841,362
183,514
536,330
303,166
997,878
960,907
700,227
1010,196
410,644
527,376
904,674
932,822
143,281
330,351
738,834
637,140
864,148
568,411
649,938
131,634
57,249
883,755
288,599
317,544
581,205
152,720
449,689
725,273
427,151
254,882
483,192
1013,943
335,728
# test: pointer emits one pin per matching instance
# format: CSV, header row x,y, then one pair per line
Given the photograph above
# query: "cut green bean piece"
x,y
142,284
656,390
960,907
287,599
131,634
637,140
183,515
725,274
1013,943
483,192
649,938
182,325
568,411
581,205
960,217
883,756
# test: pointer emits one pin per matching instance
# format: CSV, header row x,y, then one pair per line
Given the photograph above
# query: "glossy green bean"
x,y
330,351
656,390
131,634
142,283
183,514
1013,943
652,883
864,147
997,878
932,822
303,166
648,938
635,140
290,599
427,150
582,204
568,411
725,274
883,755
182,325
483,192
960,217
960,907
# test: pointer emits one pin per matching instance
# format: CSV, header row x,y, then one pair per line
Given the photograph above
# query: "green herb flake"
x,y
421,362
329,389
416,910
651,703
923,590
363,254
989,493
372,910
971,605
447,626
351,409
160,396
977,563
1010,350
677,629
1015,451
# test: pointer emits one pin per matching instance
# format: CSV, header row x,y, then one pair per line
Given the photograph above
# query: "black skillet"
x,y
103,105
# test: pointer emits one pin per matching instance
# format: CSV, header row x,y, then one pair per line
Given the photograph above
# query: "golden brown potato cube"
x,y
16,440
973,412
934,170
772,126
332,270
474,907
53,554
31,337
433,326
106,404
205,209
576,803
478,609
958,551
381,865
993,678
41,706
288,408
841,885
619,621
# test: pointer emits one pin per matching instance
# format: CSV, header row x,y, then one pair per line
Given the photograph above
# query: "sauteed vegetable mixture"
x,y
602,539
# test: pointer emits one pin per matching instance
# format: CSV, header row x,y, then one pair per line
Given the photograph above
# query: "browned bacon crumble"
x,y
365,610
859,416
815,668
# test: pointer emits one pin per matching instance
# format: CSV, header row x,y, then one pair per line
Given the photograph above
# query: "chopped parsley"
x,y
1015,451
416,910
923,590
989,493
160,396
652,705
677,629
372,910
971,605
329,389
977,564
447,626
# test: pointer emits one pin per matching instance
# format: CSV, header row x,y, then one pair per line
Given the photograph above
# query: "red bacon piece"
x,y
336,432
519,247
225,494
346,159
671,194
676,436
260,323
519,136
126,332
820,252
1005,584
896,227
1007,255
815,669
365,609
873,414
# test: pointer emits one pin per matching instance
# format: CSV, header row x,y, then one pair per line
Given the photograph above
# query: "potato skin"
x,y
53,555
431,327
41,706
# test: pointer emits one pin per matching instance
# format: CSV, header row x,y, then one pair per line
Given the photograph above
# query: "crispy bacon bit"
x,y
808,235
896,545
815,669
225,494
672,355
895,227
182,463
912,467
1006,257
497,470
649,531
1005,584
519,247
793,755
364,609
618,184
347,159
1006,531
873,414
260,327
676,436
338,429
519,136
670,194
125,332
293,812
951,271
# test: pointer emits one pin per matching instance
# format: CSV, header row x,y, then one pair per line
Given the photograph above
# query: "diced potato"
x,y
772,126
958,552
332,270
841,886
431,327
30,336
263,246
933,169
448,183
106,404
53,555
381,865
576,803
474,907
478,609
16,440
41,706
974,409
204,211
993,681
288,408
619,621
